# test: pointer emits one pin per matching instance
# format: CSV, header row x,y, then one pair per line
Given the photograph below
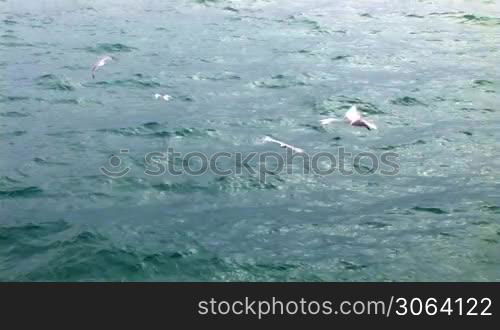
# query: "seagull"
x,y
354,118
103,60
165,96
283,144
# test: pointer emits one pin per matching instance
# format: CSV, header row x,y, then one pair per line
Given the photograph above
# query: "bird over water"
x,y
354,117
101,62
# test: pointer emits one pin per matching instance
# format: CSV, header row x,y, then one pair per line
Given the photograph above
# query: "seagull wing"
x,y
268,139
100,63
369,125
283,144
297,150
95,67
327,121
353,114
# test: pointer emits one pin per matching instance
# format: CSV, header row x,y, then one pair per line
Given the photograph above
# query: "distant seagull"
x,y
354,118
283,145
165,96
103,60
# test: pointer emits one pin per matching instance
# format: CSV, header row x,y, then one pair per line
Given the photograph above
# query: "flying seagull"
x,y
103,60
353,116
165,96
283,144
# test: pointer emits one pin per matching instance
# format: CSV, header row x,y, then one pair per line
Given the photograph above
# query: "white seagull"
x,y
353,116
283,144
103,60
165,96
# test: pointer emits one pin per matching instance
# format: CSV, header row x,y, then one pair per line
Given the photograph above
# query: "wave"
x,y
7,99
51,81
44,162
142,83
343,103
434,210
312,24
414,16
9,22
110,48
16,44
9,36
399,146
481,20
21,192
340,57
13,114
154,129
280,81
14,133
219,77
407,101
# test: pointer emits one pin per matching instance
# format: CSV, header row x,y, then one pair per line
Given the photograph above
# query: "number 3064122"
x,y
431,306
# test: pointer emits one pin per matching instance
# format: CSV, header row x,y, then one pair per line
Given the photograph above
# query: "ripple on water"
x,y
9,22
482,82
340,57
280,81
13,114
480,20
45,162
446,13
109,48
9,36
260,122
217,77
16,44
400,146
179,187
407,101
232,9
237,183
29,231
490,209
343,103
13,133
54,82
61,250
471,109
132,82
434,210
207,2
317,128
414,16
155,129
486,85
21,192
231,184
74,101
12,98
311,24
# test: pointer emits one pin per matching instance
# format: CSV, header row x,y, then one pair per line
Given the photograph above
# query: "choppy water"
x,y
425,71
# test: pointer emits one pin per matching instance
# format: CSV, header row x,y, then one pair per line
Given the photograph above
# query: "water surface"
x,y
425,71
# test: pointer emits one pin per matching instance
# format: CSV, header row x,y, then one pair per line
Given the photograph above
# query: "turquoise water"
x,y
426,72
